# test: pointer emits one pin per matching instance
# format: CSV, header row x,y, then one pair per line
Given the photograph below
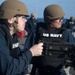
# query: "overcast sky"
x,y
37,6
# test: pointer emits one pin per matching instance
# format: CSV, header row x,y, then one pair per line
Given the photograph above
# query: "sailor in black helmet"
x,y
51,30
13,61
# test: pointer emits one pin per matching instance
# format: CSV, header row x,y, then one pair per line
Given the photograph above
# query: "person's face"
x,y
21,23
57,23
10,22
33,16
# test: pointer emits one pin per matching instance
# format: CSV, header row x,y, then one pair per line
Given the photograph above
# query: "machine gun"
x,y
66,50
62,49
53,47
58,47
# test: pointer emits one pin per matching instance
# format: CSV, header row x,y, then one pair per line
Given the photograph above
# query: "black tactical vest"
x,y
12,42
58,36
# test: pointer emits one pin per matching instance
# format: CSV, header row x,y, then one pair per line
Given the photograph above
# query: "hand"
x,y
37,49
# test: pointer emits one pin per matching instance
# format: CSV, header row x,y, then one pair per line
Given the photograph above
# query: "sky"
x,y
37,6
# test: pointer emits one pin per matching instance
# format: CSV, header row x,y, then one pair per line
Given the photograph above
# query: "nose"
x,y
25,20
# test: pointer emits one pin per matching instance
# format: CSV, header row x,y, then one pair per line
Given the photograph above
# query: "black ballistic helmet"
x,y
52,12
10,8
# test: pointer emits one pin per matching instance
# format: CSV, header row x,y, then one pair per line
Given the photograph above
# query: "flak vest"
x,y
58,36
12,43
